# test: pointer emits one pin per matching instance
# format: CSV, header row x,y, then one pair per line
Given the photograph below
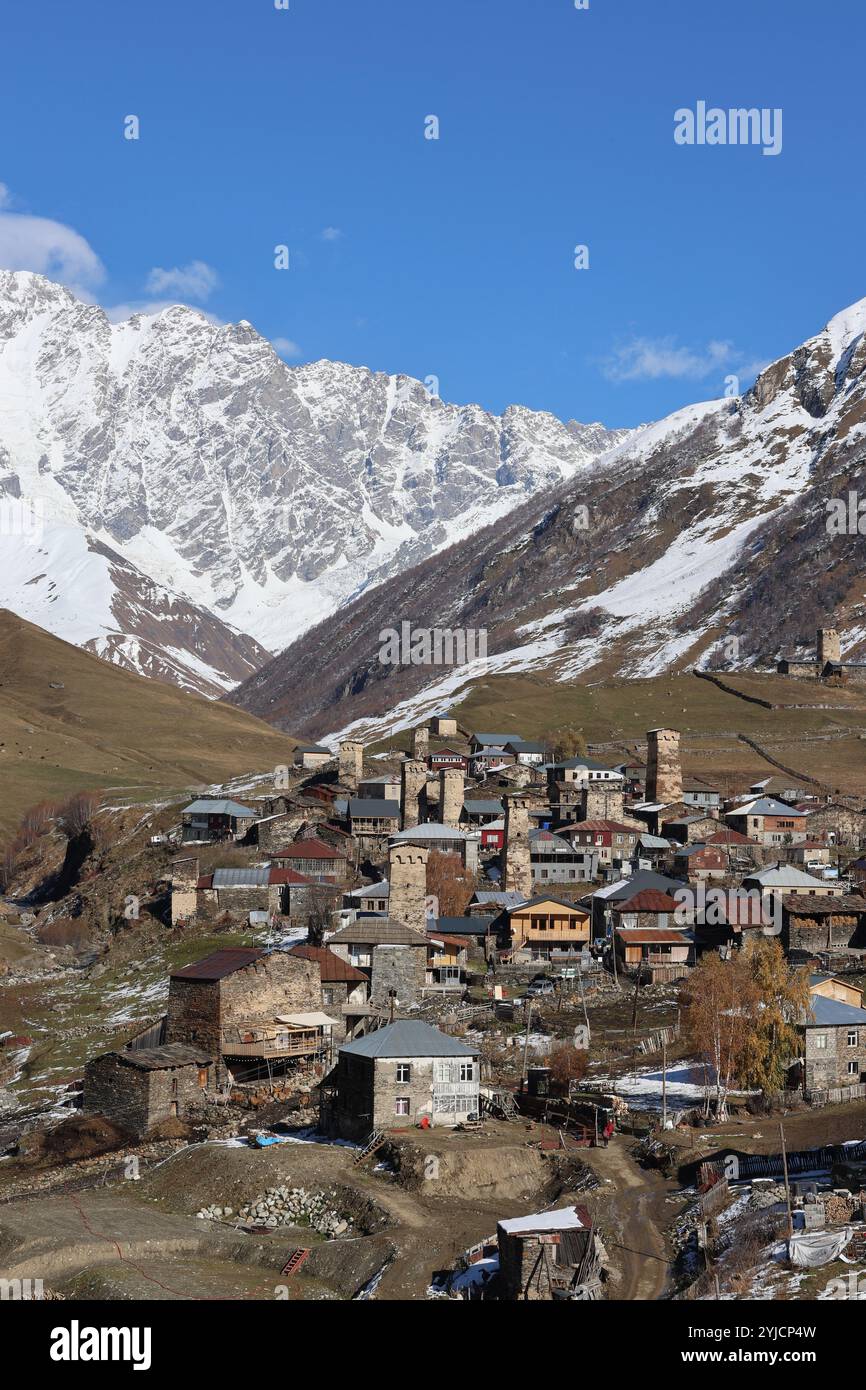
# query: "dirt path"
x,y
632,1220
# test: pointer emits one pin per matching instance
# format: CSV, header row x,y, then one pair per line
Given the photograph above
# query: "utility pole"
x,y
787,1184
664,1081
526,1044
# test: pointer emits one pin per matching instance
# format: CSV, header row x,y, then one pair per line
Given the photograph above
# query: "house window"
x,y
821,1042
853,1068
852,1037
401,1105
404,1073
467,1071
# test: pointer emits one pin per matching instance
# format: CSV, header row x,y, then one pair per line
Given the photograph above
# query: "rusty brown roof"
x,y
331,967
649,900
220,963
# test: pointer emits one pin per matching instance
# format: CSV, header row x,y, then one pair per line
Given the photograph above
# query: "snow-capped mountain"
x,y
197,504
708,538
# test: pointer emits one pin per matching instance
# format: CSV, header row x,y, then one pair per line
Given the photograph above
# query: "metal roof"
x,y
220,963
163,1058
483,808
430,830
830,1013
408,1038
205,806
371,806
331,967
241,878
496,740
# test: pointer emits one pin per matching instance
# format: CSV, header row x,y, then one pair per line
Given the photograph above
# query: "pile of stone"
x,y
840,1208
287,1206
766,1194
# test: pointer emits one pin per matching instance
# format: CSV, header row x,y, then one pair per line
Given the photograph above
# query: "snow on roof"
x,y
564,1219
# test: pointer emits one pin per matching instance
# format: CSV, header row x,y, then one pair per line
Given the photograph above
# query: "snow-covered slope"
x,y
201,502
706,527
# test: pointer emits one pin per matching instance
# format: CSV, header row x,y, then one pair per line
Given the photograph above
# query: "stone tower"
x,y
407,879
664,773
517,869
351,763
451,792
413,785
420,742
828,647
602,800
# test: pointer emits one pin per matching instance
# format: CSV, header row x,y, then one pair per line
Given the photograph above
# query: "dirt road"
x,y
633,1217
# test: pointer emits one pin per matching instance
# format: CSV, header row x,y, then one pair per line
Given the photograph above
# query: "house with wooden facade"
x,y
546,929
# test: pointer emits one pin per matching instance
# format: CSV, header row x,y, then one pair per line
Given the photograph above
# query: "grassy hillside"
x,y
69,720
811,728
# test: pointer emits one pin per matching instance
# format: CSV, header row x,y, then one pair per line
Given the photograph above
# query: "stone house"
x,y
770,822
371,821
834,1045
230,1002
689,830
371,897
838,825
544,1255
140,1087
782,880
215,819
392,955
396,1077
312,756
443,726
265,888
447,839
811,923
555,859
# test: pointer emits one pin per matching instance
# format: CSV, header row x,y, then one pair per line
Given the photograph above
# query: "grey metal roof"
x,y
408,1038
464,926
372,806
488,807
496,740
830,1013
241,878
766,806
371,890
430,830
206,806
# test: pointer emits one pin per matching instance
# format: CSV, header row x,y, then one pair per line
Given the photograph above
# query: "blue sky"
x,y
453,257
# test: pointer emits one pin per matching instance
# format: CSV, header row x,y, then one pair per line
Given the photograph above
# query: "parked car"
x,y
540,988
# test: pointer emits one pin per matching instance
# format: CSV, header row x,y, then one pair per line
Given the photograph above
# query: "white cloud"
x,y
196,280
649,359
331,234
286,348
48,248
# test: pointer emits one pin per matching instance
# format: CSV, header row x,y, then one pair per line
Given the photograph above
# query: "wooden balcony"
x,y
266,1041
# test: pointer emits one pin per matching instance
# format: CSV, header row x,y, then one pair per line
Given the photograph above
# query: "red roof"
x,y
598,825
308,849
728,837
331,967
278,875
650,900
206,881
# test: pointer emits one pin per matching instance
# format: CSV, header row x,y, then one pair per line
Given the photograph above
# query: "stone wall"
x,y
517,876
420,742
451,785
827,1067
602,801
401,968
664,775
351,763
413,787
407,878
199,1011
137,1098
184,876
